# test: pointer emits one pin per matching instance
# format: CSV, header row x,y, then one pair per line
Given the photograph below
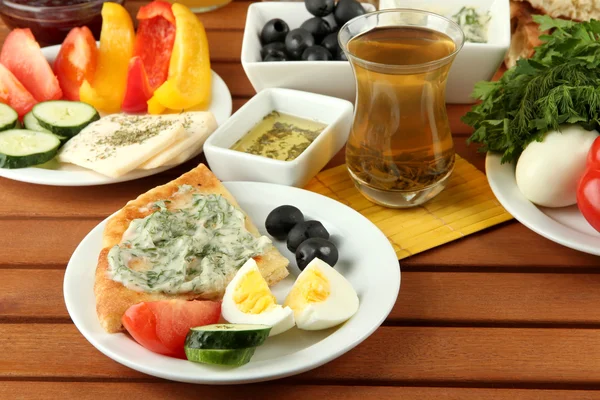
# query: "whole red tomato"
x,y
588,191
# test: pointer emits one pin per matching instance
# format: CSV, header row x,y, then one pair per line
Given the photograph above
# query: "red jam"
x,y
51,27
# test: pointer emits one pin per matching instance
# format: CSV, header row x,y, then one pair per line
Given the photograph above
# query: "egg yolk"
x,y
311,287
252,294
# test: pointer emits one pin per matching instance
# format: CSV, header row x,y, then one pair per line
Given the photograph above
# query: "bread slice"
x,y
113,299
198,127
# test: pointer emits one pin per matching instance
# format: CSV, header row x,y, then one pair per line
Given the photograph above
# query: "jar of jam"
x,y
51,20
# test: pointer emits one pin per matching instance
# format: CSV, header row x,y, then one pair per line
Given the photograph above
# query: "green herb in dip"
x,y
473,24
188,249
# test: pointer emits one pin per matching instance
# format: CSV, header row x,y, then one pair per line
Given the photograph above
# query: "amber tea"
x,y
400,140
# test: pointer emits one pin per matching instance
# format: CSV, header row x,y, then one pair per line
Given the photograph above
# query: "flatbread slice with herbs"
x,y
199,185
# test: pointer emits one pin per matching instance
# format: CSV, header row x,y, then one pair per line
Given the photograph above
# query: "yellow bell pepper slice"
x,y
107,89
188,84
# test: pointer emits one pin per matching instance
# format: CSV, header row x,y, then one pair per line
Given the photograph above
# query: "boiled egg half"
x,y
248,300
549,171
321,297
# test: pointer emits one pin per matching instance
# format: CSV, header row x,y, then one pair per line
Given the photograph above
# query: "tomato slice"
x,y
76,61
161,326
22,55
588,191
137,91
154,40
13,93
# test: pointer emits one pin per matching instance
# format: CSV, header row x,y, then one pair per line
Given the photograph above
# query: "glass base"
x,y
400,199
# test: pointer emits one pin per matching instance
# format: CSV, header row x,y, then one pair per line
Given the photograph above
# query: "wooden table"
x,y
502,314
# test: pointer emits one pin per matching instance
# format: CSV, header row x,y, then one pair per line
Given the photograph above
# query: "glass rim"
x,y
442,60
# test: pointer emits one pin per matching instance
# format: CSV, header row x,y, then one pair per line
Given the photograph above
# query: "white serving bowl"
x,y
233,165
475,62
331,78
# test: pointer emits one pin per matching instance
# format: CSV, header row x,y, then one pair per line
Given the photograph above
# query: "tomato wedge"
x,y
588,191
137,91
161,326
154,40
22,55
76,61
13,93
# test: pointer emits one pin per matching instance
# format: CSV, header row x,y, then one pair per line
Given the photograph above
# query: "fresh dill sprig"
x,y
560,84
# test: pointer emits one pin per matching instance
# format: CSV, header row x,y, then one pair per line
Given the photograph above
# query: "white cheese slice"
x,y
198,127
119,143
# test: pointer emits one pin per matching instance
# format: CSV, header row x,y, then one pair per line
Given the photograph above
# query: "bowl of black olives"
x,y
294,45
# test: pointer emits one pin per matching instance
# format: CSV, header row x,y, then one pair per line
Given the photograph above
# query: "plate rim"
x,y
553,231
50,53
247,377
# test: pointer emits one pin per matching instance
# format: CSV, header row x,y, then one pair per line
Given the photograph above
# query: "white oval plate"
x,y
565,225
367,260
72,175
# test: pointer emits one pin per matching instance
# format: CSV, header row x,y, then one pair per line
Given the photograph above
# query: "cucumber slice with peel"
x,y
9,118
227,336
229,357
64,118
21,148
31,123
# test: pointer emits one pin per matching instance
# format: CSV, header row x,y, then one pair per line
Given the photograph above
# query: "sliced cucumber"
x,y
21,148
8,117
64,118
31,123
227,336
220,357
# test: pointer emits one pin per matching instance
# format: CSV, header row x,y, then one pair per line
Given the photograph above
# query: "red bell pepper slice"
x,y
154,40
137,91
588,191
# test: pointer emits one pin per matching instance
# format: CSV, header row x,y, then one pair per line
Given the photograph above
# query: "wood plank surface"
x,y
431,298
156,391
402,355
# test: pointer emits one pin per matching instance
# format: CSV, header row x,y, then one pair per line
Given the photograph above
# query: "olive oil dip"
x,y
280,136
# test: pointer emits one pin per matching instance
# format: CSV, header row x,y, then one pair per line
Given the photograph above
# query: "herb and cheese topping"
x,y
473,24
185,249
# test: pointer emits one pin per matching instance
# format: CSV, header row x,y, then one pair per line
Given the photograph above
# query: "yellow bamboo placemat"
x,y
467,205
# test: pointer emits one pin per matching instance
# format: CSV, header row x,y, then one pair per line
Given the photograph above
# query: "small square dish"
x,y
334,114
476,61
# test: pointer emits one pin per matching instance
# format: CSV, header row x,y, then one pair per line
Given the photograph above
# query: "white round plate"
x,y
565,225
58,174
367,260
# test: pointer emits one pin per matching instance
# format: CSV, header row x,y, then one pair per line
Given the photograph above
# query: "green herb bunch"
x,y
560,84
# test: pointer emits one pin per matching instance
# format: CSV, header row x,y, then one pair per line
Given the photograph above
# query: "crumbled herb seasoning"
x,y
473,24
188,249
280,136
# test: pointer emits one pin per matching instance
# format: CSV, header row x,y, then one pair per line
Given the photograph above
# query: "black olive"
x,y
298,40
319,8
316,248
272,48
281,220
303,231
316,53
317,27
331,44
274,30
346,10
276,56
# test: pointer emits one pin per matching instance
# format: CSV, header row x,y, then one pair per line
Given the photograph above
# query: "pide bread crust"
x,y
113,299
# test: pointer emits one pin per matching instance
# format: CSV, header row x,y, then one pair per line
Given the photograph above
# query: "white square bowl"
x,y
330,78
233,165
475,62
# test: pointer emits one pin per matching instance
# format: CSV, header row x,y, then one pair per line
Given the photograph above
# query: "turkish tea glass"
x,y
400,151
